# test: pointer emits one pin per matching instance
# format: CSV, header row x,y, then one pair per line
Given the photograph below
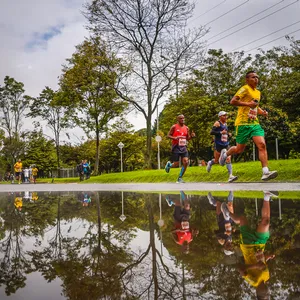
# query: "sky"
x,y
38,36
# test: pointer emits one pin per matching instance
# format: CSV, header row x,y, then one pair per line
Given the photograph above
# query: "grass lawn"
x,y
288,171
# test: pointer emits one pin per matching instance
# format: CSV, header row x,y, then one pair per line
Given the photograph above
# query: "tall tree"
x,y
88,81
48,107
152,36
13,103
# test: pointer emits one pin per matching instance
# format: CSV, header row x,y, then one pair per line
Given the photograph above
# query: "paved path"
x,y
159,187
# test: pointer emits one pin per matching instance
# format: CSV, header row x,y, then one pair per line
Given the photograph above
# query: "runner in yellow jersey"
x,y
34,172
247,125
18,170
252,243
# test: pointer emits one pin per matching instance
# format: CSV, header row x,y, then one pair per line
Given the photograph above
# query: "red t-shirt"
x,y
181,131
183,236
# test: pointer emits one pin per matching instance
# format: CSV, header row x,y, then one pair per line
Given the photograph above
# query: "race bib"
x,y
252,113
224,137
182,142
185,225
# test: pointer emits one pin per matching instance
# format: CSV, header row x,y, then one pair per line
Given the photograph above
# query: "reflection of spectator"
x,y
86,199
182,232
224,233
255,270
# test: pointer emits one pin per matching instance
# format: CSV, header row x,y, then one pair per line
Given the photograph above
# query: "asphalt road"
x,y
159,187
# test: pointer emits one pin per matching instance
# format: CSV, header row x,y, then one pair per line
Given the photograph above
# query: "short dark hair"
x,y
249,72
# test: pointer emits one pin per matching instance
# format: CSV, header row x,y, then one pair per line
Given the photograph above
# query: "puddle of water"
x,y
92,245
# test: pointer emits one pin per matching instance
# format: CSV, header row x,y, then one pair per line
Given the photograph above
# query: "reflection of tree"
x,y
89,266
14,263
163,281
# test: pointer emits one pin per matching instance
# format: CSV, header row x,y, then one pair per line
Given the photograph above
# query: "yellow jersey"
x,y
252,255
18,166
247,115
34,171
18,202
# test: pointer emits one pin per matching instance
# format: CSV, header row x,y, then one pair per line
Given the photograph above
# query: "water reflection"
x,y
76,246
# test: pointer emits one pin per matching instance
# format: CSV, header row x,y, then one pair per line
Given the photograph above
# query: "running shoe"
x,y
169,201
269,175
168,166
223,157
211,199
180,180
232,178
208,167
271,193
225,211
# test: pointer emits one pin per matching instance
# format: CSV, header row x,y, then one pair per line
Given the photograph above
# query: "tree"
x,y
13,104
48,107
39,151
88,81
152,37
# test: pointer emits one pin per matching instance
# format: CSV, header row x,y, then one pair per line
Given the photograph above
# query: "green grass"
x,y
288,171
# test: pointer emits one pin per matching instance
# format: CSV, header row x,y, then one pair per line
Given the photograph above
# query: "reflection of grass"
x,y
288,170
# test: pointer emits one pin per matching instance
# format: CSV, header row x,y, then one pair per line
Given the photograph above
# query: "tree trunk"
x,y
149,143
96,168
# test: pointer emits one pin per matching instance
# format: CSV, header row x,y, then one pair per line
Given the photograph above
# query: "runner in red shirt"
x,y
179,134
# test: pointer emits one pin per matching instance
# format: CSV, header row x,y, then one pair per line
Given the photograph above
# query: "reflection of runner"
x,y
18,202
247,125
255,270
179,134
220,131
182,232
224,233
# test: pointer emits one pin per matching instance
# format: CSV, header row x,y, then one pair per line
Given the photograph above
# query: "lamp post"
x,y
121,145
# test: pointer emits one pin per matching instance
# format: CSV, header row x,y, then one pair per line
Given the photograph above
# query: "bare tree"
x,y
153,38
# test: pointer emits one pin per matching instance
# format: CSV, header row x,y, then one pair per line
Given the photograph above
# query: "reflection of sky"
x,y
36,289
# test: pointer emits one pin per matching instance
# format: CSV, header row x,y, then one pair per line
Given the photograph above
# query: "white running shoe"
x,y
232,178
208,167
269,175
223,157
271,193
225,211
211,199
180,180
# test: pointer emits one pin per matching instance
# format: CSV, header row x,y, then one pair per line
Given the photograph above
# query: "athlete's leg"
x,y
184,161
264,224
262,150
239,148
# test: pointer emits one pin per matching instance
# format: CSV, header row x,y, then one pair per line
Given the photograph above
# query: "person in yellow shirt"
x,y
18,170
18,202
252,243
34,172
247,125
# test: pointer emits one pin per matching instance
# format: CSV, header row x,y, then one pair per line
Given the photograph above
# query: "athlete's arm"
x,y
214,130
262,112
190,135
235,101
171,132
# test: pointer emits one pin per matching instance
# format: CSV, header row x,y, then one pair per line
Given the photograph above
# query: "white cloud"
x,y
38,36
